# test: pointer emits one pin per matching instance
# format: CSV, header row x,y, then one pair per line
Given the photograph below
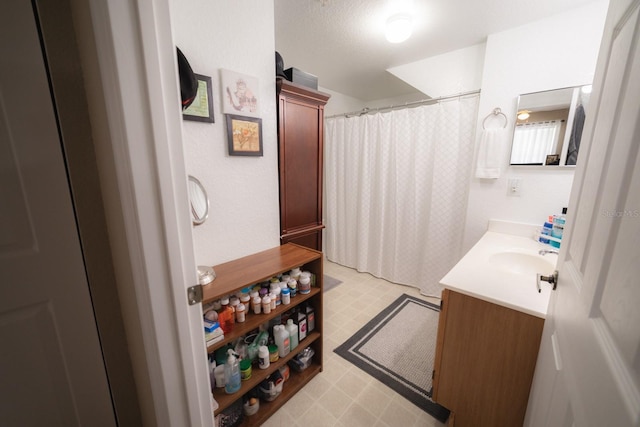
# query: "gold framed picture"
x,y
244,135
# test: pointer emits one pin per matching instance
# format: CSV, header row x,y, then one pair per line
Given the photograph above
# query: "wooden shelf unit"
x,y
248,271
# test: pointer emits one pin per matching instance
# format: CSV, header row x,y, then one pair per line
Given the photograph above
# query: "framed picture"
x,y
244,135
201,109
552,159
240,94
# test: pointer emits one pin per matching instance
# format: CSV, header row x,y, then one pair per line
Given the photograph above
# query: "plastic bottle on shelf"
x,y
293,287
231,373
263,357
281,337
276,294
245,298
266,304
240,313
226,317
300,319
292,328
273,301
285,296
304,284
311,318
256,304
295,273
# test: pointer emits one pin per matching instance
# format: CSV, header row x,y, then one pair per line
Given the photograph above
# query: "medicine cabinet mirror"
x,y
199,201
549,127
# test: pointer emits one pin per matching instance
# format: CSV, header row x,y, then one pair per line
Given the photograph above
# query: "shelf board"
x,y
258,375
256,268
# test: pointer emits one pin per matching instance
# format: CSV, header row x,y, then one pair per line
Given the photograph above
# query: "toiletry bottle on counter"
x,y
546,230
558,228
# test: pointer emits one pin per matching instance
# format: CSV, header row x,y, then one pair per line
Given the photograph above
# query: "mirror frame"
x,y
196,190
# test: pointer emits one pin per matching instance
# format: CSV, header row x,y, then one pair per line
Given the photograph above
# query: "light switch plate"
x,y
515,187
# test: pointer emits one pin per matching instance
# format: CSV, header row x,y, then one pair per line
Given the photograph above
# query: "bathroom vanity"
x,y
489,331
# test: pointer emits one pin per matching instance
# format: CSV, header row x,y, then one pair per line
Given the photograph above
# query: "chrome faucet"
x,y
547,251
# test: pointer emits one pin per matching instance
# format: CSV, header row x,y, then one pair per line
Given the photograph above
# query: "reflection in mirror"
x,y
549,127
199,201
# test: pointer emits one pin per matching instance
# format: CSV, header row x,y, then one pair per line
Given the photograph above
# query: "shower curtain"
x,y
396,187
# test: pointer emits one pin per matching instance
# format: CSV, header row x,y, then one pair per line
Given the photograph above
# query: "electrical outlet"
x,y
515,187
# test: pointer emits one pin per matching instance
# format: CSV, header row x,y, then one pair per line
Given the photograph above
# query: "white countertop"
x,y
479,274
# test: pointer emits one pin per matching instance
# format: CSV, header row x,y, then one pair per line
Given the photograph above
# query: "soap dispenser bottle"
x,y
231,373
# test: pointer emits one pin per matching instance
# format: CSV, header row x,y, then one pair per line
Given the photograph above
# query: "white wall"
x,y
340,103
556,52
447,74
243,191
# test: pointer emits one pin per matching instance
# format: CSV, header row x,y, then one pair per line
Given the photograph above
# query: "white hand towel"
x,y
490,153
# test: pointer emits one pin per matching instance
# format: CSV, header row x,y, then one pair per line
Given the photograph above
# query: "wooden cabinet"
x,y
485,359
257,268
300,148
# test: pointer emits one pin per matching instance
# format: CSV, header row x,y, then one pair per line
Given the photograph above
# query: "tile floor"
x,y
342,394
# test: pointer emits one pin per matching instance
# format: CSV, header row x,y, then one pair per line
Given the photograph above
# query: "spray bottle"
x,y
232,373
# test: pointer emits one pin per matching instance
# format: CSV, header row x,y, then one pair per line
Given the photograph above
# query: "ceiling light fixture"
x,y
523,115
399,28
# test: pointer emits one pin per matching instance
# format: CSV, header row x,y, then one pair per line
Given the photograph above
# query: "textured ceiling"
x,y
342,41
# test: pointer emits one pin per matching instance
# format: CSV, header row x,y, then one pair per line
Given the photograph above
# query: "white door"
x,y
51,367
588,371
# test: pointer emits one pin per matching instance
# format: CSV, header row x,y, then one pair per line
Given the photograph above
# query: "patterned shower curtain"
x,y
396,187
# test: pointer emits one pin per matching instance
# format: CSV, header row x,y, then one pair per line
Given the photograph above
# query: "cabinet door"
x,y
300,138
485,360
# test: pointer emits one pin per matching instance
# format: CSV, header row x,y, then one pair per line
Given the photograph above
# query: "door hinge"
x,y
194,294
433,375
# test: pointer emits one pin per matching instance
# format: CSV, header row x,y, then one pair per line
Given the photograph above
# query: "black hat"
x,y
279,66
188,81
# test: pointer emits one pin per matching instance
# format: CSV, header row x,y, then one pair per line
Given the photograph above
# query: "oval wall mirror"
x,y
199,201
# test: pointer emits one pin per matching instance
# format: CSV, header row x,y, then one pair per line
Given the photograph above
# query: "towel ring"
x,y
495,112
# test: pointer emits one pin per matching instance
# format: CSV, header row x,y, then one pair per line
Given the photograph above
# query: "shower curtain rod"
x,y
367,110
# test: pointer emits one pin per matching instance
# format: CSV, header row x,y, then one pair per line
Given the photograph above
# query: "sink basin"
x,y
523,263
